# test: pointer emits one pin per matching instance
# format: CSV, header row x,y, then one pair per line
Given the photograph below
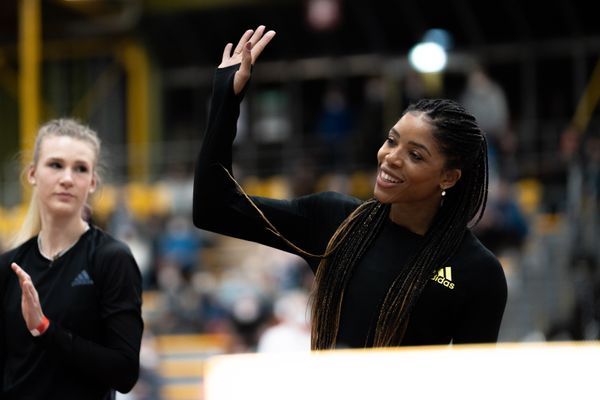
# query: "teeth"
x,y
388,178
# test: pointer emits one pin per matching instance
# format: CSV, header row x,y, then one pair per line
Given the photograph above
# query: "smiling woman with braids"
x,y
402,268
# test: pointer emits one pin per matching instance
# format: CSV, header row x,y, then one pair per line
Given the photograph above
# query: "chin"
x,y
64,211
381,198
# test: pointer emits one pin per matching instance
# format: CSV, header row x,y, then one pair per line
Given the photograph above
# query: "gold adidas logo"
x,y
444,277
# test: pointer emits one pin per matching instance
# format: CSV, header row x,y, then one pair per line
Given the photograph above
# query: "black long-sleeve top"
x,y
92,297
463,302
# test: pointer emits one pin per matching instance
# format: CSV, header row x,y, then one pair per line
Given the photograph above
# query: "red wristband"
x,y
41,328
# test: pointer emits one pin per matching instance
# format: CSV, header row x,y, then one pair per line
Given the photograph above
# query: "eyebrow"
x,y
419,145
77,161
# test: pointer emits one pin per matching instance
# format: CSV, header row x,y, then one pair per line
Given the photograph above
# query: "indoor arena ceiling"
x,y
184,32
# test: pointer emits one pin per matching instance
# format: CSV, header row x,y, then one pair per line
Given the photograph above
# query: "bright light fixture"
x,y
428,57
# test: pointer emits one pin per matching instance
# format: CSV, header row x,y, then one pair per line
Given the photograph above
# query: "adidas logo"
x,y
444,277
82,279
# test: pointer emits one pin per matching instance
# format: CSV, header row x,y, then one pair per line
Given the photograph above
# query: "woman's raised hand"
x,y
251,44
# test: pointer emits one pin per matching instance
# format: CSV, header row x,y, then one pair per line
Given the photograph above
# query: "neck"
x,y
416,218
57,237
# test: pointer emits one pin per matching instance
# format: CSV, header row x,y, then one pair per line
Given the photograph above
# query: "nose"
x,y
394,158
67,178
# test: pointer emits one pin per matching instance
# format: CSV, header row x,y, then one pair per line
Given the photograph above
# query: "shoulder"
x,y
10,256
6,259
334,200
479,263
475,252
329,206
16,253
112,262
107,251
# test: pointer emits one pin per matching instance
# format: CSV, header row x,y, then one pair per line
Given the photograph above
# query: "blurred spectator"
x,y
291,331
486,100
247,309
583,322
303,177
211,313
503,225
182,305
120,219
180,244
371,126
177,184
334,127
141,249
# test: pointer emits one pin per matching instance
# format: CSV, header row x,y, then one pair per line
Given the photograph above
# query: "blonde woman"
x,y
70,294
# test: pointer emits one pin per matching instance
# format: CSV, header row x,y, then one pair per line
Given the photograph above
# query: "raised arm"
x,y
230,82
221,206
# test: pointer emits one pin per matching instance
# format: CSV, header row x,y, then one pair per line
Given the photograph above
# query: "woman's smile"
x,y
386,180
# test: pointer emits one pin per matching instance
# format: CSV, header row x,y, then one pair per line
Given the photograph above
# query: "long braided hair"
x,y
463,143
465,147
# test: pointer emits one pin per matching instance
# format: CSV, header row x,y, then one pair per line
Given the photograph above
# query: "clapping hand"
x,y
246,52
30,302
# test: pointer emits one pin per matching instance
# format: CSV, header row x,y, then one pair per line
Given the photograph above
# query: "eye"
x,y
54,164
390,140
416,156
81,169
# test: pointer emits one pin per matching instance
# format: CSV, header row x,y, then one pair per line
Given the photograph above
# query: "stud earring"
x,y
443,192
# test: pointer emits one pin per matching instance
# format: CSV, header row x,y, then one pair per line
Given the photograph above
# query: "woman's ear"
x,y
449,178
31,175
94,183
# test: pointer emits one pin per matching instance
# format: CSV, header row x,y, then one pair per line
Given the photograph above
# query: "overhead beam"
x,y
137,66
161,6
29,73
588,102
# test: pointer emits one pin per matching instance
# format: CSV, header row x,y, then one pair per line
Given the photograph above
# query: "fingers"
x,y
243,74
26,283
246,58
245,37
22,275
30,300
257,34
259,41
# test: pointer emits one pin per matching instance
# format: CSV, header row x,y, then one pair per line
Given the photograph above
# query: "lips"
x,y
64,195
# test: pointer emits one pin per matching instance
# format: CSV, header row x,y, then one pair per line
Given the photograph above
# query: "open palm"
x,y
246,52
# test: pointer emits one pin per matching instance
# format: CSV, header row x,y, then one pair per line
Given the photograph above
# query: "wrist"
x,y
41,328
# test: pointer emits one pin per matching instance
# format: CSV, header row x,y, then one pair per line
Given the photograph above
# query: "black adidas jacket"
x,y
463,303
92,296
